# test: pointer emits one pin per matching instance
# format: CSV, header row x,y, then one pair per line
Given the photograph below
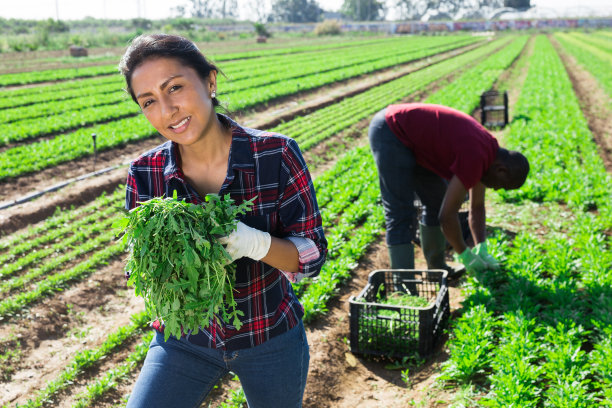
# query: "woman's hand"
x,y
247,241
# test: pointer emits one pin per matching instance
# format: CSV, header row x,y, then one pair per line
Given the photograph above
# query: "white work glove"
x,y
482,252
247,241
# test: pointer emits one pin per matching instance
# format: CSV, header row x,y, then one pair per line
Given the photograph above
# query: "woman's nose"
x,y
169,108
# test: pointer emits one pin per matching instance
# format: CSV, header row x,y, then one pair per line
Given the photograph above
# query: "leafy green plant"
x,y
177,264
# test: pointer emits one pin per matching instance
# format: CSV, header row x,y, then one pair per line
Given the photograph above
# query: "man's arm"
x,y
449,220
477,217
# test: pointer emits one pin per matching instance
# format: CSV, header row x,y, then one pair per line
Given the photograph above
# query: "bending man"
x,y
439,154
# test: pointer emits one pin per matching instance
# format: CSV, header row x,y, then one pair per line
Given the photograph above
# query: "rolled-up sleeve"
x,y
299,213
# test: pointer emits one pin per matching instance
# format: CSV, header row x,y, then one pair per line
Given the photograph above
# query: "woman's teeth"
x,y
180,124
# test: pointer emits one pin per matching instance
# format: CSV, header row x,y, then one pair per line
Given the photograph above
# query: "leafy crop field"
x,y
535,334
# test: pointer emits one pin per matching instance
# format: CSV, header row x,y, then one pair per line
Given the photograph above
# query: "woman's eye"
x,y
175,88
147,103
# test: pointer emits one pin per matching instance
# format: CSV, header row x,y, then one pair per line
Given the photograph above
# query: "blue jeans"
x,y
400,179
180,374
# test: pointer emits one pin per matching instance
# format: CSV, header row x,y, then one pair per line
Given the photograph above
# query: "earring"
x,y
213,94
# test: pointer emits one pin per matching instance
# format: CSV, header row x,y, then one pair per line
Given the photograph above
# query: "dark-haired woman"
x,y
278,242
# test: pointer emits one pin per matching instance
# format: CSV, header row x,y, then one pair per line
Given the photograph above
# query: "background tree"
x,y
228,9
142,23
517,4
363,10
296,11
195,8
208,9
180,10
260,9
416,9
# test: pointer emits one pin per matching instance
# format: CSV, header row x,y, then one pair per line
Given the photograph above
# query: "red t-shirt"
x,y
444,140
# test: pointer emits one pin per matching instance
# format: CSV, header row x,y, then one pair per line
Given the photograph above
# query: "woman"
x,y
279,241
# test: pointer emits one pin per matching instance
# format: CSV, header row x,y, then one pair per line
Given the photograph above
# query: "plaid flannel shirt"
x,y
271,168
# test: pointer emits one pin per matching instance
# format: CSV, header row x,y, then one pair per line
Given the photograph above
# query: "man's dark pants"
x,y
400,179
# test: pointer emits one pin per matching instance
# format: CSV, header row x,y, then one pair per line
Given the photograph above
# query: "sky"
x,y
157,9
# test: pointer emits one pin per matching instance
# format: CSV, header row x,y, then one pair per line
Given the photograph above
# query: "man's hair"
x,y
517,165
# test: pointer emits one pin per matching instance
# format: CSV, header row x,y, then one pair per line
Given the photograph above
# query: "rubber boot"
x,y
433,244
401,256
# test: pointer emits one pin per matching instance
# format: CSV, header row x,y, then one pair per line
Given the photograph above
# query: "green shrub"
x,y
328,27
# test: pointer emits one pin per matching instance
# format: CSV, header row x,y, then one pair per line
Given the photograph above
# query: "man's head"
x,y
508,171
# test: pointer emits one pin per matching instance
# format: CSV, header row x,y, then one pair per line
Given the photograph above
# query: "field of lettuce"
x,y
538,333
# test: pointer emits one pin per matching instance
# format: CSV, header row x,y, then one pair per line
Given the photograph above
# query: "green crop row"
x,y
343,59
464,92
85,72
242,77
64,117
74,233
555,164
252,97
59,91
56,225
271,65
311,129
31,128
85,359
55,75
292,50
234,69
591,58
69,146
58,281
86,100
602,43
537,333
85,242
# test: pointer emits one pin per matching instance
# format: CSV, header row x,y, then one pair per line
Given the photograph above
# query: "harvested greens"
x,y
177,264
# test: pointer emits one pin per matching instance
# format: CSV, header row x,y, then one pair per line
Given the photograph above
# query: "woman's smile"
x,y
181,126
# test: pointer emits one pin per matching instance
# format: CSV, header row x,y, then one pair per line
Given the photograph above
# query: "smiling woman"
x,y
280,240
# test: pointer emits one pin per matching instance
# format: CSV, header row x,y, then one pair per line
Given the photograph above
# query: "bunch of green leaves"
x,y
177,264
397,298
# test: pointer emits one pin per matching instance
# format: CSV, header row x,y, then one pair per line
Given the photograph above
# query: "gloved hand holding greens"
x,y
177,264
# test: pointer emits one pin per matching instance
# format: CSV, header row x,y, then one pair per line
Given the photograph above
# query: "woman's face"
x,y
175,99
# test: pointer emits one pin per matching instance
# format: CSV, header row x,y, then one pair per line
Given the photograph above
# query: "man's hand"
x,y
482,252
472,262
247,241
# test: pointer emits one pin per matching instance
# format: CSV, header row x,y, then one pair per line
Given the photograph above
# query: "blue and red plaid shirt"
x,y
271,168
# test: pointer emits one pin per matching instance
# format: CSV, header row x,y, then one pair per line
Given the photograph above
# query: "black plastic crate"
x,y
398,331
494,109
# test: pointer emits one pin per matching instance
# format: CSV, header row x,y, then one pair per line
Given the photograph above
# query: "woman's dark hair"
x,y
148,46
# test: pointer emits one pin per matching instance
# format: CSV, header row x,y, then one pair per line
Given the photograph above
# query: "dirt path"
x,y
596,104
58,327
